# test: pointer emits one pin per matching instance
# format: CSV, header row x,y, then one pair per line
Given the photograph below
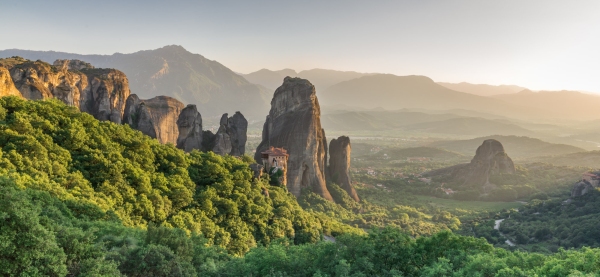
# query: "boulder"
x,y
189,124
257,169
294,124
156,117
339,165
581,188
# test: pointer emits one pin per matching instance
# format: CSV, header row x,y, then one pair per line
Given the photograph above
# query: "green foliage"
x,y
547,225
105,171
79,197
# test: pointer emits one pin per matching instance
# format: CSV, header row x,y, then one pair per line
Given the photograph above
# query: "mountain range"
x,y
175,72
193,79
320,78
482,89
520,147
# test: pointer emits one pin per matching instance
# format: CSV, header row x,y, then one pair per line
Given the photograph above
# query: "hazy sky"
x,y
538,44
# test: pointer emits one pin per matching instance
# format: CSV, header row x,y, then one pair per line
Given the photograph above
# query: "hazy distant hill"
x,y
321,78
470,126
427,152
394,92
377,120
175,72
482,89
586,159
517,147
269,78
565,104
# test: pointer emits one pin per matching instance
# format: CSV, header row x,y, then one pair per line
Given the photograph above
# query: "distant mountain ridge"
x,y
520,147
320,78
175,72
393,92
564,103
482,89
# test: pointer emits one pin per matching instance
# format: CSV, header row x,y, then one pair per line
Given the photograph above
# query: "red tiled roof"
x,y
275,151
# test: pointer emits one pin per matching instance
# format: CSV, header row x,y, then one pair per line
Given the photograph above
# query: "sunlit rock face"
x,y
294,124
490,158
7,87
339,164
99,92
156,117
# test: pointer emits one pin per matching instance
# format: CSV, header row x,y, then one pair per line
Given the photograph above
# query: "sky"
x,y
549,45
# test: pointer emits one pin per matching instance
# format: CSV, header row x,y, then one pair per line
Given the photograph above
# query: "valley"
x,y
165,163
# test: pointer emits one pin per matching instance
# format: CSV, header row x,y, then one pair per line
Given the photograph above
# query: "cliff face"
x,y
189,124
156,117
99,92
7,87
39,80
106,94
294,124
490,158
339,165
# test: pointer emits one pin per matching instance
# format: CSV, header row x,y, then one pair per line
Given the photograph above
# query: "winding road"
x,y
497,227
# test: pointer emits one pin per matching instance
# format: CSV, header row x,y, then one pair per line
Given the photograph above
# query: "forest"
x,y
80,197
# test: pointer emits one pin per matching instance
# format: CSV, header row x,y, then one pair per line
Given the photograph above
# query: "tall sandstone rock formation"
x,y
339,165
490,158
156,117
99,92
294,124
189,124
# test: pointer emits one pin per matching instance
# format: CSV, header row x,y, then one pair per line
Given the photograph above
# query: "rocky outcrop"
x,y
72,65
99,92
39,80
230,138
257,169
490,158
189,124
7,87
156,117
581,188
294,124
339,165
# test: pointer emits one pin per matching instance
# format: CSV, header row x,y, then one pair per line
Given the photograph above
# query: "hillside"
x,y
590,159
377,120
482,89
321,78
173,71
442,123
518,147
564,104
415,92
427,152
268,78
469,126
